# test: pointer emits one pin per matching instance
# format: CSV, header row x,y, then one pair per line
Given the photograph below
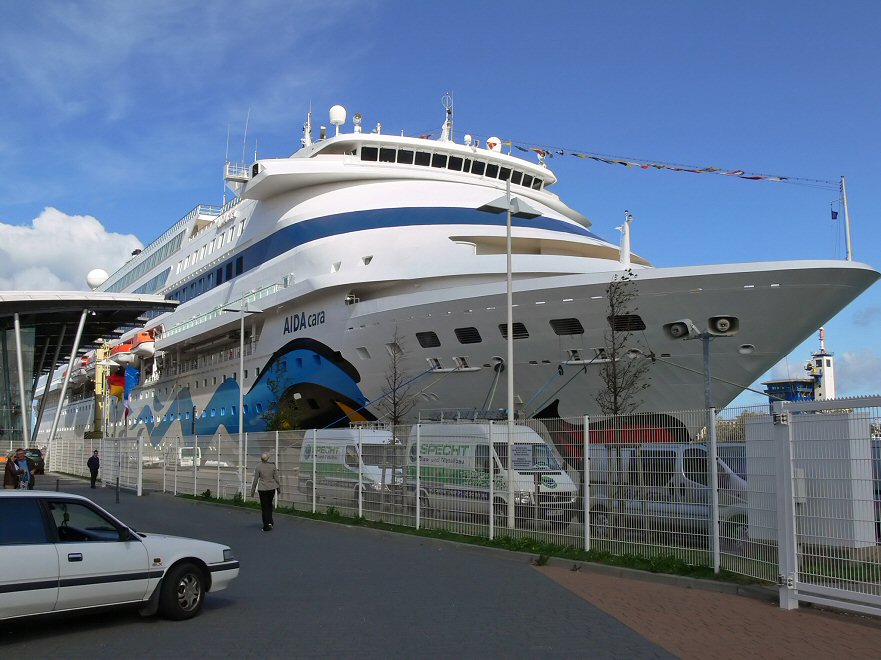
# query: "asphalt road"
x,y
311,589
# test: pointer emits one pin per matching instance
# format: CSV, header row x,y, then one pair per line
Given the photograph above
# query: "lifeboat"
x,y
143,344
79,375
91,362
122,353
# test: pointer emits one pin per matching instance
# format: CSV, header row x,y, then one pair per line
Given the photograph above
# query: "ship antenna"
x,y
245,138
447,130
306,140
226,162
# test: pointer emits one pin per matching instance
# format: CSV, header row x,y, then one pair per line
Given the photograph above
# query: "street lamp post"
x,y
717,326
513,207
243,310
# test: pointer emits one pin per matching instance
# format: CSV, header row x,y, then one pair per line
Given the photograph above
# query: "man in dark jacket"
x,y
93,464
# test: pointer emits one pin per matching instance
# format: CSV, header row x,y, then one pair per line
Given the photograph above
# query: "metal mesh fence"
x,y
790,497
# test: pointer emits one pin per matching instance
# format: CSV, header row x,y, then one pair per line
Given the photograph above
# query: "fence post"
x,y
361,474
418,483
217,441
786,530
196,452
277,499
715,529
314,470
492,503
140,466
176,456
585,482
244,468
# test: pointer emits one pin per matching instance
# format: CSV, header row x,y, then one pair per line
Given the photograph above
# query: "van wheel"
x,y
183,592
425,507
500,513
600,524
735,535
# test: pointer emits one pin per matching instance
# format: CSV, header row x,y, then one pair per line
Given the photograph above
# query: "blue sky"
x,y
115,118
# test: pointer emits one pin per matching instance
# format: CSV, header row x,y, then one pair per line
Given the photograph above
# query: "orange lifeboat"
x,y
122,353
143,344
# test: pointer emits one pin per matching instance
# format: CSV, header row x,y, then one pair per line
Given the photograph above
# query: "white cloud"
x,y
858,373
57,251
868,316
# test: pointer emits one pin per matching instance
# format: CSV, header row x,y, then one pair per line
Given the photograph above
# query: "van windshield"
x,y
542,457
734,457
187,451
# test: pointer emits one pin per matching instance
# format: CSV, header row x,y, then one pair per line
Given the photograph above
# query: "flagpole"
x,y
849,248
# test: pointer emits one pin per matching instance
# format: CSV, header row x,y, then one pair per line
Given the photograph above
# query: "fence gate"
x,y
122,458
828,502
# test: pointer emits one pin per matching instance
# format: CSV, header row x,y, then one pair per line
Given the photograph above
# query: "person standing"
x,y
94,463
19,472
266,483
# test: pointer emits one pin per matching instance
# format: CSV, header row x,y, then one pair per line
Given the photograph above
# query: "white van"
x,y
454,464
334,454
187,455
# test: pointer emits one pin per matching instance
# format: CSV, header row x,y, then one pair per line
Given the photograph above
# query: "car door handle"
x,y
74,556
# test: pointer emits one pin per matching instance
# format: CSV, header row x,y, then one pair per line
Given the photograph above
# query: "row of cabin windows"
x,y
215,244
223,274
450,162
561,327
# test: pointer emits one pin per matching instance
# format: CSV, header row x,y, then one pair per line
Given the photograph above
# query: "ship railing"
x,y
455,415
247,299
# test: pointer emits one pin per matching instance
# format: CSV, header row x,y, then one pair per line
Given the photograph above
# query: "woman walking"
x,y
266,482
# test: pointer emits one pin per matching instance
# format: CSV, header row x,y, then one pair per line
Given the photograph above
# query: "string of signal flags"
x,y
546,152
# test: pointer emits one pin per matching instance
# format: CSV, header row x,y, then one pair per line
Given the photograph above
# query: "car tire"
x,y
183,592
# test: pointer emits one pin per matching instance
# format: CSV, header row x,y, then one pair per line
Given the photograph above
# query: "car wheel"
x,y
600,524
183,592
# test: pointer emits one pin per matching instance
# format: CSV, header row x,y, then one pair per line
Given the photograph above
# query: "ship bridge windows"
x,y
442,160
428,339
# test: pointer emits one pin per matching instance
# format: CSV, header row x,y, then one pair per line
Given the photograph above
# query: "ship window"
x,y
516,178
567,326
492,171
478,167
259,407
466,165
427,339
520,331
434,363
461,362
405,156
505,173
363,353
468,335
626,323
527,180
828,363
536,183
455,163
214,412
241,227
394,349
223,412
439,160
369,153
386,155
229,271
240,265
423,158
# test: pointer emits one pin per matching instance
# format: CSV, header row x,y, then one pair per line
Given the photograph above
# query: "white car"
x,y
60,552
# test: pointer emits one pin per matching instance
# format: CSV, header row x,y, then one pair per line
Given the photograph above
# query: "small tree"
x,y
283,411
624,376
397,400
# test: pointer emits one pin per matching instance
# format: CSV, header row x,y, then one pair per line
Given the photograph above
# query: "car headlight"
x,y
228,555
523,497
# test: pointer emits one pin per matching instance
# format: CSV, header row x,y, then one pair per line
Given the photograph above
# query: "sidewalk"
x,y
692,623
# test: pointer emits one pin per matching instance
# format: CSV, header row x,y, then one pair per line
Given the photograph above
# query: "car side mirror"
x,y
125,534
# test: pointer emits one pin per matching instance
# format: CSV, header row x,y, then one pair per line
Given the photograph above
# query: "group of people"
x,y
20,471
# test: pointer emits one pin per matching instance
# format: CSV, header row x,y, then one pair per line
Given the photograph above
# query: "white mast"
x,y
624,256
849,248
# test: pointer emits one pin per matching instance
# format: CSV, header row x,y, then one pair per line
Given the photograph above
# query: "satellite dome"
x,y
96,278
494,144
337,115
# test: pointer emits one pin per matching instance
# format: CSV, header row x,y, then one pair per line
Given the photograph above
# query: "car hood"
x,y
170,548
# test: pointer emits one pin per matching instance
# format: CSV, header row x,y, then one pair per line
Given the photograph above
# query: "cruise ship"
x,y
368,267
